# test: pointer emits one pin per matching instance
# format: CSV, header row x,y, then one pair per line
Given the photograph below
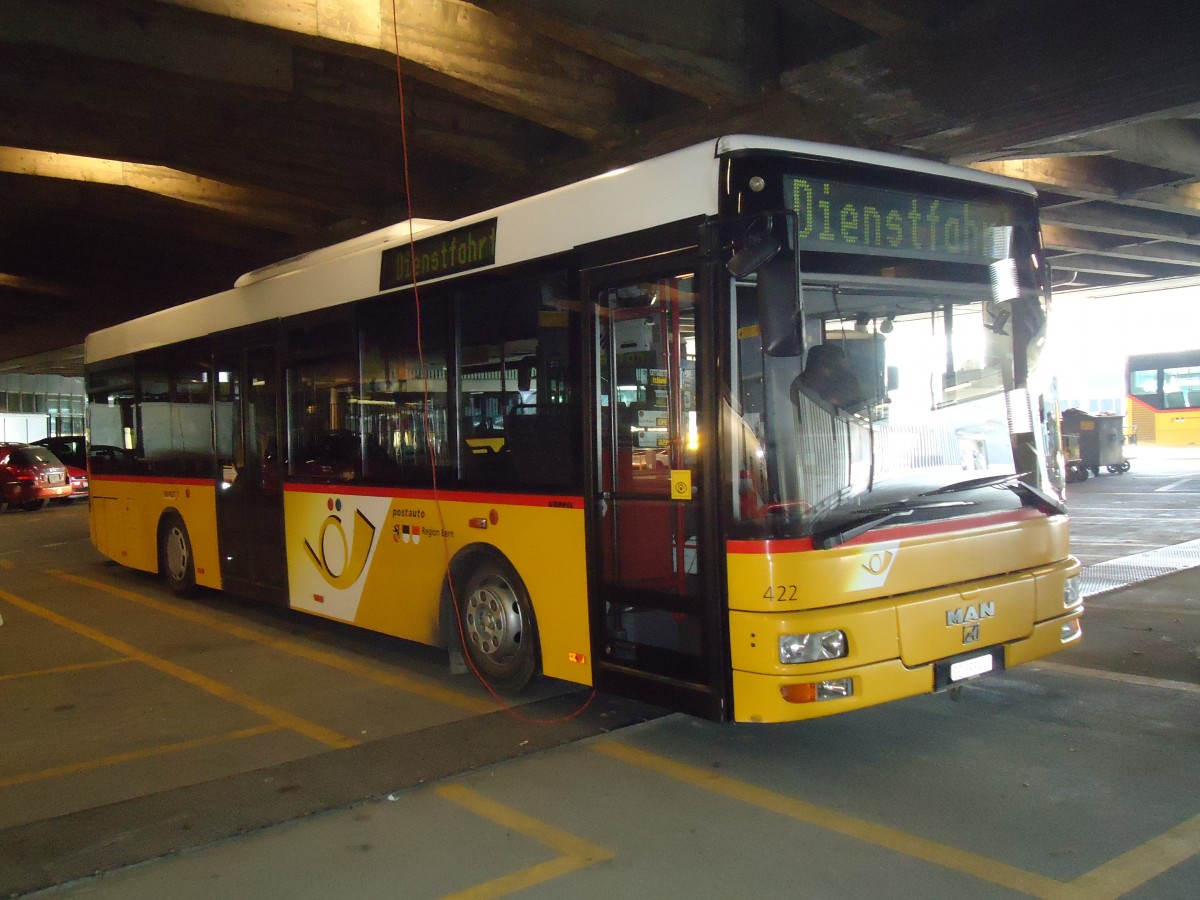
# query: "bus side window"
x,y
323,428
403,409
518,362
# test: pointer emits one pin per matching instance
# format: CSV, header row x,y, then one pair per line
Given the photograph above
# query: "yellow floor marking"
x,y
399,682
134,755
280,717
1131,870
60,670
889,838
1117,676
575,852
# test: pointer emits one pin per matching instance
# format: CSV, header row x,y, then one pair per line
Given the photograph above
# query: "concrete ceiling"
x,y
153,150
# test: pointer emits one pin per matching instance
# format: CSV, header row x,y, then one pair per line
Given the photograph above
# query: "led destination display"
x,y
838,217
470,247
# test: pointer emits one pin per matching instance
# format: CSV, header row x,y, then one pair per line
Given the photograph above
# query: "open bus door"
x,y
249,474
655,632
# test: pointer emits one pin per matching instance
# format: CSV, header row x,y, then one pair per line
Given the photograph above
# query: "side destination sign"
x,y
470,247
837,217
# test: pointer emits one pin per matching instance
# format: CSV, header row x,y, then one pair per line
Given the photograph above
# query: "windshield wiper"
x,y
1040,499
882,515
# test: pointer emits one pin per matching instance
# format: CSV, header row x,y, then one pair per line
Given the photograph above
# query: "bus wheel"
x,y
497,626
175,562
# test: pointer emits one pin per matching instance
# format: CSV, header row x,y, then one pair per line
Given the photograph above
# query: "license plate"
x,y
969,668
958,669
54,477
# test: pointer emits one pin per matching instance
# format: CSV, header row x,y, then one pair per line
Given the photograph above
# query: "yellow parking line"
x,y
390,679
60,670
575,852
1131,870
280,717
133,755
1122,677
889,838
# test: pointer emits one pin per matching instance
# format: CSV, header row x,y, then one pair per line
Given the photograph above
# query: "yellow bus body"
x,y
378,559
1162,427
124,515
901,604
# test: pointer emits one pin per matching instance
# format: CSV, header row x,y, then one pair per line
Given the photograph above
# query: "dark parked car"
x,y
70,448
30,477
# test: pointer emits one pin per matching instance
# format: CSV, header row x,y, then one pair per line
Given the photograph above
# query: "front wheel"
x,y
497,625
175,562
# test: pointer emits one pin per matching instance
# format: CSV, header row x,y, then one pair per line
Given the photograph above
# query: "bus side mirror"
x,y
777,306
752,257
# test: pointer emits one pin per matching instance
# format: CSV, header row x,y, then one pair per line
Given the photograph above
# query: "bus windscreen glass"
x,y
923,319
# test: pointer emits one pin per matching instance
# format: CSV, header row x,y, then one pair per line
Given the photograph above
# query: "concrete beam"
x,y
457,46
650,40
260,207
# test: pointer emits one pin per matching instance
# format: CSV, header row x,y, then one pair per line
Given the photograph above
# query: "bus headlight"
x,y
1072,592
805,648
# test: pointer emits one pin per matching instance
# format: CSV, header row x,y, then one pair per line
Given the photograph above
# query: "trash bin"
x,y
1098,441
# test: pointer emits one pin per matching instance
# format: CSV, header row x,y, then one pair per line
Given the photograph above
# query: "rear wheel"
x,y
175,562
497,625
34,505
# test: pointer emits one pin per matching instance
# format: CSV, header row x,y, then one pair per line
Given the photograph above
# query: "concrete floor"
x,y
248,752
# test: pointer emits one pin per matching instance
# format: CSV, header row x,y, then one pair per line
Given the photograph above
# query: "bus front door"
x,y
654,632
249,477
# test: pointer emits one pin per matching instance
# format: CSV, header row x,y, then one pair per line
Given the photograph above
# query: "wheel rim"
x,y
176,554
493,620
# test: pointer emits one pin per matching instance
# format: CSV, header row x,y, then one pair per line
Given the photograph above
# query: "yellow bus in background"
x,y
758,430
1163,398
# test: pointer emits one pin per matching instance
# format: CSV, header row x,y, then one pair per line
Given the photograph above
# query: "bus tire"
x,y
175,562
496,624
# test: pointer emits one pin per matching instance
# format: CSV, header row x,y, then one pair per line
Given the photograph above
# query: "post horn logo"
x,y
355,555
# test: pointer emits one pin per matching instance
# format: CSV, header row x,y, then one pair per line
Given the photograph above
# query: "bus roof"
x,y
668,188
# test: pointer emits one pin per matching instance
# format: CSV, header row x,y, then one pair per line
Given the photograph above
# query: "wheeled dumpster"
x,y
1093,441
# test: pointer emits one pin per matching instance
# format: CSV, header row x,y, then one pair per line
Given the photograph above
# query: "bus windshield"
x,y
914,378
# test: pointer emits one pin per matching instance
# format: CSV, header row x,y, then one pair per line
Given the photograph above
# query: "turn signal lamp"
x,y
812,647
1070,631
836,689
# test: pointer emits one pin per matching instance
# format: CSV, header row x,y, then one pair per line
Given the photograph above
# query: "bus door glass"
x,y
649,603
249,476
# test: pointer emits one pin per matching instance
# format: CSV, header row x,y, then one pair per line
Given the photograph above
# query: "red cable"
x,y
429,445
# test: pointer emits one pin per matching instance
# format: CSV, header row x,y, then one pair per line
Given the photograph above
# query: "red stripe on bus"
x,y
895,532
375,491
447,495
152,479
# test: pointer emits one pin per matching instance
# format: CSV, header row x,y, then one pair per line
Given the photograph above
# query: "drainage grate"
x,y
1118,573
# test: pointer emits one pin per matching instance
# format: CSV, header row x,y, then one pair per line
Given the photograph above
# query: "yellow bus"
x,y
758,430
1163,399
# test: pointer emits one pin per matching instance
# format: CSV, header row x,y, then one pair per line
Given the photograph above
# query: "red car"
x,y
79,482
30,477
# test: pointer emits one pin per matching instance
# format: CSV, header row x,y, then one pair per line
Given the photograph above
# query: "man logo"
x,y
352,558
971,634
965,615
